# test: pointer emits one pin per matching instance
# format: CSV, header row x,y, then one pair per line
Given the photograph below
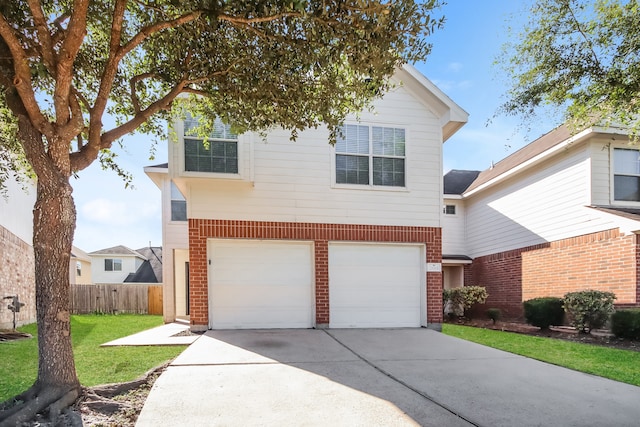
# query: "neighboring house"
x,y
17,271
562,214
120,264
279,234
79,267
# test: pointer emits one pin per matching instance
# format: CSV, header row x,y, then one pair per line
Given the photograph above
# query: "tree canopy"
x,y
580,57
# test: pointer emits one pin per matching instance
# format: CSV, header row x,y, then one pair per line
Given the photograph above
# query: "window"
x,y
449,209
218,154
78,268
368,155
178,204
112,264
626,179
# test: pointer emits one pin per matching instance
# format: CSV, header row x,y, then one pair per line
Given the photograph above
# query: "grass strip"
x,y
615,364
94,364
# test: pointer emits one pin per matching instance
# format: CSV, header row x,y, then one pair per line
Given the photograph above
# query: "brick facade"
x,y
606,261
321,234
17,277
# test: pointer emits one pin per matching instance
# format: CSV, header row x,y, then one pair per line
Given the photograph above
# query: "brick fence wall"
x,y
17,277
605,261
321,234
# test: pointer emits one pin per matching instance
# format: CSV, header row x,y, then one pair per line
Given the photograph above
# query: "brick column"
x,y
322,283
198,283
434,279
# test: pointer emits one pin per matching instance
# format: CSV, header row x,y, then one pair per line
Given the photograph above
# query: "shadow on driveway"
x,y
375,377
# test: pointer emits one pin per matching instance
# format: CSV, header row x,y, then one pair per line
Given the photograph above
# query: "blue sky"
x,y
461,64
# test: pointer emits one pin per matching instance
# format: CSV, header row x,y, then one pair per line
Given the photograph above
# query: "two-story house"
x,y
120,264
561,214
17,271
279,234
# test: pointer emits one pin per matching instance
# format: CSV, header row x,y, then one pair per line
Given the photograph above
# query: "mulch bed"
x,y
597,337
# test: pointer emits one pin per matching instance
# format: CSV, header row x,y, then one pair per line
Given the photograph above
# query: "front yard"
x,y
615,364
94,364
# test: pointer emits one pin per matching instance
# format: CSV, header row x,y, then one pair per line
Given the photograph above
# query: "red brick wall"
x,y
605,261
202,229
17,277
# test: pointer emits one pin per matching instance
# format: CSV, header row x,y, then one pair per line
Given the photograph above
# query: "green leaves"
x,y
580,57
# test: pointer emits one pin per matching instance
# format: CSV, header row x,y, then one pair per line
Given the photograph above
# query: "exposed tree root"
x,y
26,406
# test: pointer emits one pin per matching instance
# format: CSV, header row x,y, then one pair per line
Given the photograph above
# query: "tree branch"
x,y
241,20
90,151
584,35
75,34
22,79
44,36
132,84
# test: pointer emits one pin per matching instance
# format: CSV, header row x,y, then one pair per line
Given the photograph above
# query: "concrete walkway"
x,y
168,334
399,377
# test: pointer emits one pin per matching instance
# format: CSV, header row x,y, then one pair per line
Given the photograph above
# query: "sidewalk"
x,y
169,334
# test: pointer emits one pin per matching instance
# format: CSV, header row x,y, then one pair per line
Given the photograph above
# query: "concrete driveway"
x,y
375,377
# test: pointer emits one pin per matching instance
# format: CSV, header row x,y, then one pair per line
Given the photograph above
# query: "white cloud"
x,y
455,66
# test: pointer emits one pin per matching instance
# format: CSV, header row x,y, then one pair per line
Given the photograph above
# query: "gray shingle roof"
x,y
457,181
151,270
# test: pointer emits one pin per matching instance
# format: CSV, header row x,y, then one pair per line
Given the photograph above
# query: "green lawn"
x,y
619,365
94,364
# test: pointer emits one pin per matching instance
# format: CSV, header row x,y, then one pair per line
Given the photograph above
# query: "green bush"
x,y
589,309
494,314
544,312
626,324
459,299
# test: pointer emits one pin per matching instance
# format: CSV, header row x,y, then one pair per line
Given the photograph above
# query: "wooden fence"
x,y
110,298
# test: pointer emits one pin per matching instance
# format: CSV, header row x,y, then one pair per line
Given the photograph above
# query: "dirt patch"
x,y
112,405
597,337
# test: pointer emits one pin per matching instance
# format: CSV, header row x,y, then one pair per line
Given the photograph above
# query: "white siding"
x,y
129,265
16,209
292,181
544,204
453,229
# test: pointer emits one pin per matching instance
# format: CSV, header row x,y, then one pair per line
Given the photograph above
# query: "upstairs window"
x,y
370,155
218,154
112,264
78,268
178,204
626,178
449,209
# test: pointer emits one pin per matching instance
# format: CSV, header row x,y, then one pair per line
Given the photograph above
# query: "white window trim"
x,y
612,174
240,175
371,186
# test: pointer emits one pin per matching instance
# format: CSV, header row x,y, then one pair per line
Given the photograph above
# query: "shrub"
x,y
543,312
494,314
626,324
589,309
457,300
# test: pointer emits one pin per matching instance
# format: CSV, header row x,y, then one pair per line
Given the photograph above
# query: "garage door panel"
x,y
375,285
260,284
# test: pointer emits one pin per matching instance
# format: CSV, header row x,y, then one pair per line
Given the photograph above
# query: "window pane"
x,y
627,188
389,172
352,169
216,156
178,210
355,140
388,141
175,193
117,265
108,265
626,161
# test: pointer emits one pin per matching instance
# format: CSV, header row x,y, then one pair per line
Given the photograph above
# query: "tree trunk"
x,y
54,222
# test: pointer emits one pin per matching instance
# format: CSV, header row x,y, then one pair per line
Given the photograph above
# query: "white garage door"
x,y
372,286
256,284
